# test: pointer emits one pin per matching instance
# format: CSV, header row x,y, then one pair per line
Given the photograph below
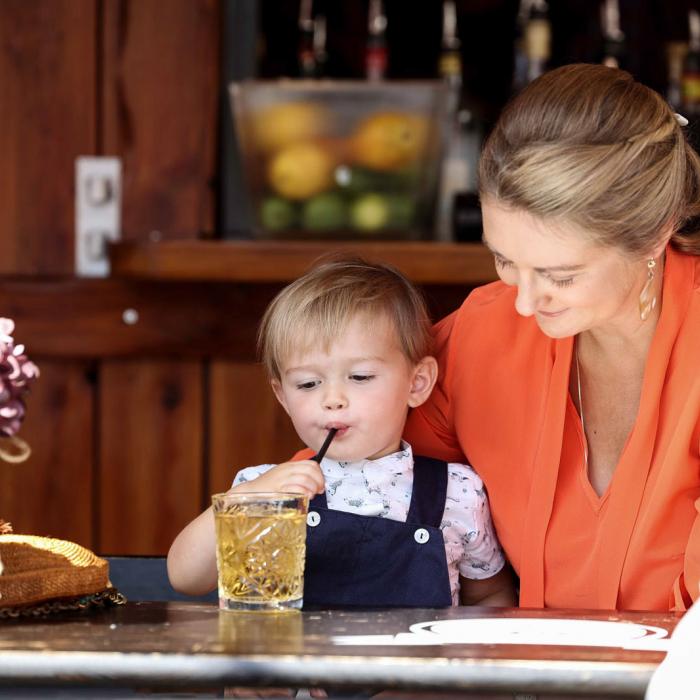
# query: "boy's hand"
x,y
303,477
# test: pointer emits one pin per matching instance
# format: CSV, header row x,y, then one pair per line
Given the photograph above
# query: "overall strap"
x,y
429,491
319,501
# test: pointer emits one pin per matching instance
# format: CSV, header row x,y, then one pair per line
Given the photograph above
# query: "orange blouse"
x,y
502,400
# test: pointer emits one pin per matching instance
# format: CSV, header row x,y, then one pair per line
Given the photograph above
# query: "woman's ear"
x,y
659,249
279,394
423,380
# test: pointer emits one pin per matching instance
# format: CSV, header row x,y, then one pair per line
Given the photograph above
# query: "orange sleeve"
x,y
429,428
306,453
686,586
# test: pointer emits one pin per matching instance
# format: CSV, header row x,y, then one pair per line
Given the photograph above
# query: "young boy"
x,y
347,346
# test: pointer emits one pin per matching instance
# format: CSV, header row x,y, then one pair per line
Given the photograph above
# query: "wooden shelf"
x,y
280,261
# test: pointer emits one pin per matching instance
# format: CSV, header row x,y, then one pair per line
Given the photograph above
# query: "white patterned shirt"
x,y
383,487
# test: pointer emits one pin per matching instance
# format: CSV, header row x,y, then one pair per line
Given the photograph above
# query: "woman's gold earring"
x,y
647,299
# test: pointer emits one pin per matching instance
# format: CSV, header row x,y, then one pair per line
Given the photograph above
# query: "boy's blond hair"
x,y
317,307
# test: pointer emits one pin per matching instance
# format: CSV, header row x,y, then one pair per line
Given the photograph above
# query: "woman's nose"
x,y
526,301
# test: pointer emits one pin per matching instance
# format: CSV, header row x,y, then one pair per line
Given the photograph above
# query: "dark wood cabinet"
x,y
150,397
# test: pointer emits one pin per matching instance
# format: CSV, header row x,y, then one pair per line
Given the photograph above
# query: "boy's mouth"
x,y
341,428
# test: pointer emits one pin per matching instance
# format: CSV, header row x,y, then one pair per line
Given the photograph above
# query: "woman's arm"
x,y
686,586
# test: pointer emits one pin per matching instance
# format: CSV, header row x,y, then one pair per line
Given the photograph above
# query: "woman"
x,y
573,386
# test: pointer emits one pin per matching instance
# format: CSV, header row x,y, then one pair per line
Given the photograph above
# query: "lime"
x,y
370,212
324,211
402,211
277,213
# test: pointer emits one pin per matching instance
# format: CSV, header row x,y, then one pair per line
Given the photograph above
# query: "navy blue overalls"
x,y
359,560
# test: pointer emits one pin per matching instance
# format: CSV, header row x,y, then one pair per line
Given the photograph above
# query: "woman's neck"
x,y
629,336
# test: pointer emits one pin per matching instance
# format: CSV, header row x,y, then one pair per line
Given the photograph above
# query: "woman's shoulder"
x,y
489,313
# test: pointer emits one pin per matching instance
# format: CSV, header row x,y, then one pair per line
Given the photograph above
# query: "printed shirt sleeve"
x,y
250,473
470,538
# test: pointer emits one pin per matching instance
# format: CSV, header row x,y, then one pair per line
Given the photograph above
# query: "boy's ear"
x,y
279,394
424,377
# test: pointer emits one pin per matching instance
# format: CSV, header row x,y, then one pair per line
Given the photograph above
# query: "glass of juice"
x,y
260,550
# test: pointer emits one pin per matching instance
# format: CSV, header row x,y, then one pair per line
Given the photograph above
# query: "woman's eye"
x,y
501,262
567,282
307,385
362,378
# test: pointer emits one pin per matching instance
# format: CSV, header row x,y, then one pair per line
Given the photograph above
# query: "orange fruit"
x,y
389,140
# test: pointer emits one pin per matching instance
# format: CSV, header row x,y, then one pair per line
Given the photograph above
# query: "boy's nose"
x,y
334,400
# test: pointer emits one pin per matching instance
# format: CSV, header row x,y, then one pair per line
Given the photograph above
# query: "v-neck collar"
x,y
631,474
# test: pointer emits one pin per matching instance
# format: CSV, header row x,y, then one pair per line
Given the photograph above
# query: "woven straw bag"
x,y
41,569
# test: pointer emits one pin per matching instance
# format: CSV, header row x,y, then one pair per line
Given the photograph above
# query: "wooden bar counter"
x,y
151,645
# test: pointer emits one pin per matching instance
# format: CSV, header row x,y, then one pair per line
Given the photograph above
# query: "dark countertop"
x,y
176,644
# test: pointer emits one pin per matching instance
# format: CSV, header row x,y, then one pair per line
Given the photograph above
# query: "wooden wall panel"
x,y
47,119
160,101
151,453
51,493
85,318
247,424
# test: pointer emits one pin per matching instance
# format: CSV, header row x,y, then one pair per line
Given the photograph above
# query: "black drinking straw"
x,y
324,448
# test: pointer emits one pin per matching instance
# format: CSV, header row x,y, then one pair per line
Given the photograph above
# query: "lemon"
x,y
301,171
389,140
370,212
281,125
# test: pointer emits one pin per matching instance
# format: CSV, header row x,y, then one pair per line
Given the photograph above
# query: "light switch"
x,y
97,213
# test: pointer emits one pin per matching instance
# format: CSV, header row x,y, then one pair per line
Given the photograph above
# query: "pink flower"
x,y
17,372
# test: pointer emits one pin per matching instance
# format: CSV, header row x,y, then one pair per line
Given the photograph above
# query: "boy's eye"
x,y
362,378
307,385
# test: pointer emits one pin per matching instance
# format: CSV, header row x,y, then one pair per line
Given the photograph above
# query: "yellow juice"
x,y
260,558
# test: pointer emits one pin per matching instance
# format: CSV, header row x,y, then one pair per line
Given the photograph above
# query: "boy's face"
x,y
363,386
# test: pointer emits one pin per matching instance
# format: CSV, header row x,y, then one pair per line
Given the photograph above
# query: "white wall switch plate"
x,y
98,197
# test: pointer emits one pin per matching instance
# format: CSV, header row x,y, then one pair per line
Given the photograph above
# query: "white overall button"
x,y
313,518
421,535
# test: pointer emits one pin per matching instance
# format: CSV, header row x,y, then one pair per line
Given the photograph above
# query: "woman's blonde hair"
x,y
316,308
588,145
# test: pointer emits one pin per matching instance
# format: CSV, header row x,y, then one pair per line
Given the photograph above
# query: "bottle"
x,y
519,55
462,143
537,39
376,57
690,78
613,38
319,46
675,57
307,63
450,62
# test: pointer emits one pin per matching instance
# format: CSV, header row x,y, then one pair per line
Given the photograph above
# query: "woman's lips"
x,y
551,314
